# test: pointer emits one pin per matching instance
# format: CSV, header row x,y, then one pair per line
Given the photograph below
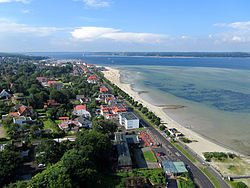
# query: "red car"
x,y
159,154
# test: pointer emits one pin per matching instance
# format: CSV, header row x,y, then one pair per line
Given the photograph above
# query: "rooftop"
x,y
174,167
124,158
129,115
80,107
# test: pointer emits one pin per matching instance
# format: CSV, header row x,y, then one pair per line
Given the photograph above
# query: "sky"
x,y
124,25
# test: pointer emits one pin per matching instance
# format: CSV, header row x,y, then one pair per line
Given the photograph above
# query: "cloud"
x,y
95,3
95,33
235,25
9,1
239,32
8,27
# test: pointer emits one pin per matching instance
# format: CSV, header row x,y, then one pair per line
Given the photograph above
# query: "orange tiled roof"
x,y
13,113
80,107
51,82
62,118
93,77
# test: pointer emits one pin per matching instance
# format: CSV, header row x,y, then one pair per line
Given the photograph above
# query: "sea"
x,y
214,93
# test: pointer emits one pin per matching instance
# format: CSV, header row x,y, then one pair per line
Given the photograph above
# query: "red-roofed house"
x,y
51,82
103,89
92,79
80,110
24,110
57,85
112,111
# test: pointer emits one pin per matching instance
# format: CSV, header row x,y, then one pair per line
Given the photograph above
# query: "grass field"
x,y
149,156
49,124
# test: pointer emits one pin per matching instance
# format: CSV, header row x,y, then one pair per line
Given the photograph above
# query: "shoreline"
x,y
202,145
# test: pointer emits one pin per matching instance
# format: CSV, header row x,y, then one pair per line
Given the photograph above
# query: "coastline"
x,y
202,145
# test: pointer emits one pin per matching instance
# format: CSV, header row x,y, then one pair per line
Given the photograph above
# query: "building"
x,y
173,168
124,158
103,89
24,110
68,125
4,94
21,120
112,111
57,85
129,120
80,110
42,80
92,79
84,122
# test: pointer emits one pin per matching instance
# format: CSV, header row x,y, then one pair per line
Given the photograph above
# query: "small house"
x,y
80,110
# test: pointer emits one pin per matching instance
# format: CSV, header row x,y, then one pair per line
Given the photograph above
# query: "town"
x,y
64,124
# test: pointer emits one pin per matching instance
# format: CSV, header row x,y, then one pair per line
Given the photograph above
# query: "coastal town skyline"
x,y
105,25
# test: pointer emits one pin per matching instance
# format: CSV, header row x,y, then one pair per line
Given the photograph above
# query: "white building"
x,y
129,120
80,110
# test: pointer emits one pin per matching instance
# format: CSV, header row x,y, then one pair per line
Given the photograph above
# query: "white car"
x,y
41,165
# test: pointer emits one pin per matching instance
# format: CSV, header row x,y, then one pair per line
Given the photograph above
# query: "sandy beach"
x,y
202,145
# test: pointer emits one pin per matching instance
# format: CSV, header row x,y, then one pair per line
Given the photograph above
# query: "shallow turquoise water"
x,y
217,100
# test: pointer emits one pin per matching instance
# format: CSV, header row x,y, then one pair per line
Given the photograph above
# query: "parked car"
x,y
159,154
41,165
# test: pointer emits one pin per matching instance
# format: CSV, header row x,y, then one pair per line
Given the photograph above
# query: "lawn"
x,y
149,156
49,124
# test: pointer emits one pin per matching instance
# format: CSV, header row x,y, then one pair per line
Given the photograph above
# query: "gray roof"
x,y
4,93
132,139
129,115
124,158
174,167
84,121
79,97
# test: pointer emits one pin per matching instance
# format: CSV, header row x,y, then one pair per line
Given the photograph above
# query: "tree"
x,y
9,162
54,176
48,152
144,110
98,147
104,126
80,167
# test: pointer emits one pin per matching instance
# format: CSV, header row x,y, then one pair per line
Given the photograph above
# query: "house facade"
x,y
80,110
129,120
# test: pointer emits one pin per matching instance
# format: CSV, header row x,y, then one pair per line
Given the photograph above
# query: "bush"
x,y
185,140
162,128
